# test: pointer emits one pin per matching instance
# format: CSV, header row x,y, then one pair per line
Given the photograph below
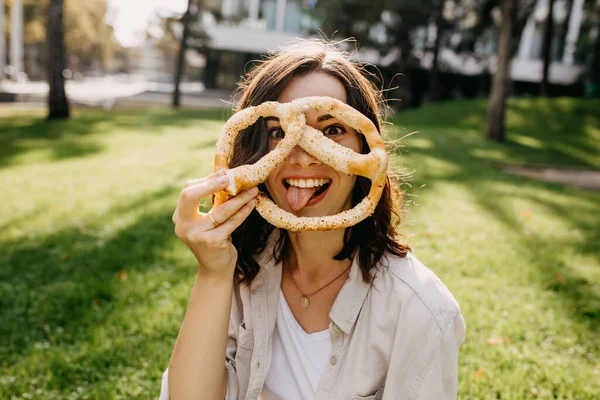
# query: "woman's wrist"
x,y
215,278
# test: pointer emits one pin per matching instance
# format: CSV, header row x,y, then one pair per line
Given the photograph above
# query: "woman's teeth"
x,y
307,183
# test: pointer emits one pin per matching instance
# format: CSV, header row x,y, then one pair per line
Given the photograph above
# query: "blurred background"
x,y
107,107
424,51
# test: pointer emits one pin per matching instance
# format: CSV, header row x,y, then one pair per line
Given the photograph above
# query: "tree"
x,y
465,26
366,20
562,37
180,65
392,28
595,66
193,37
594,63
89,40
58,105
440,25
547,48
496,110
467,39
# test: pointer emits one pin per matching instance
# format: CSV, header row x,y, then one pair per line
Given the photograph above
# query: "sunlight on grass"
x,y
528,141
94,284
519,255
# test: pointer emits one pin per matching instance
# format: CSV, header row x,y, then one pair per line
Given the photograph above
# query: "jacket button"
x,y
333,360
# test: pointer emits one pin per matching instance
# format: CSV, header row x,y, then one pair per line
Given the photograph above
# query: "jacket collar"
x,y
346,307
269,275
349,301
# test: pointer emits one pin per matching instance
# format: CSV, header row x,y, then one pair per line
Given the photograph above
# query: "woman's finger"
x,y
191,196
224,211
194,182
227,227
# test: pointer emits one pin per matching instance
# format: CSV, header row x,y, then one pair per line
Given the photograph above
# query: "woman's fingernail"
x,y
223,180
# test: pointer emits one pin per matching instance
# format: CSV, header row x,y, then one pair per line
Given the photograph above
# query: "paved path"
x,y
579,178
109,92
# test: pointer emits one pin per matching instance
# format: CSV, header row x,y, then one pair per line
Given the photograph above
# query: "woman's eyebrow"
x,y
324,117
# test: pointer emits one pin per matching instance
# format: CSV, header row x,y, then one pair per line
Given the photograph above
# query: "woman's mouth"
x,y
303,192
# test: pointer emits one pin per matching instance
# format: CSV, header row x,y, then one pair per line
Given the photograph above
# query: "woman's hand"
x,y
208,236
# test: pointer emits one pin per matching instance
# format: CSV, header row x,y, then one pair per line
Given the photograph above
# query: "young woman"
x,y
342,314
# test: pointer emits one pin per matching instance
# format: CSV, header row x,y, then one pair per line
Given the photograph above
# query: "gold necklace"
x,y
304,298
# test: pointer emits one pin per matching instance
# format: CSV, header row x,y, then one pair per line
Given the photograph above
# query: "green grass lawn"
x,y
94,284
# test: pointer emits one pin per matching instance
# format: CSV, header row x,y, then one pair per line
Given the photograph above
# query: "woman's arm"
x,y
424,361
441,376
197,367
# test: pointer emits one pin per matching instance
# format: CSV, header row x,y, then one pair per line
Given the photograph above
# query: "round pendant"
x,y
304,302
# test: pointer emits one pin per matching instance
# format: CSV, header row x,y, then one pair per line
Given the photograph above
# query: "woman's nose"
x,y
299,157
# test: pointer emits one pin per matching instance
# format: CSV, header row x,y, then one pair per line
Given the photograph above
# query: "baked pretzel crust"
x,y
293,122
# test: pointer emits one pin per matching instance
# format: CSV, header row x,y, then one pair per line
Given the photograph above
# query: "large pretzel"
x,y
293,122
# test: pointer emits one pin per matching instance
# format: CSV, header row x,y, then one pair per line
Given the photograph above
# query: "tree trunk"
x,y
435,87
594,69
495,130
547,48
562,38
58,105
211,69
180,66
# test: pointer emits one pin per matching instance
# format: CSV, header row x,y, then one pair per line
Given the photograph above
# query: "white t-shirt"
x,y
298,360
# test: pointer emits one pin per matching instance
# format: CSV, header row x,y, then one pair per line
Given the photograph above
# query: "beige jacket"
x,y
398,339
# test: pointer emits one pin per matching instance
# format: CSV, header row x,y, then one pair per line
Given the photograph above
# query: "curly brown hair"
x,y
372,237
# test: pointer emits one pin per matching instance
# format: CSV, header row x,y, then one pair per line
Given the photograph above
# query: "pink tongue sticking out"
x,y
298,197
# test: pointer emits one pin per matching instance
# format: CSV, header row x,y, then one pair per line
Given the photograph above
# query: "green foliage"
x,y
93,283
87,36
167,38
473,23
466,24
519,255
398,19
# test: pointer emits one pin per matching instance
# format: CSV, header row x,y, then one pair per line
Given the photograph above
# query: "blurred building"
x,y
14,68
243,30
468,74
151,63
564,70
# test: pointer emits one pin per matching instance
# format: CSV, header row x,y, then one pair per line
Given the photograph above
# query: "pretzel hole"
x,y
274,131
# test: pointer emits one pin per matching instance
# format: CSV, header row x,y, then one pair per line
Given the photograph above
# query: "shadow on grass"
x,y
559,132
69,279
581,296
67,139
567,131
554,274
461,153
489,191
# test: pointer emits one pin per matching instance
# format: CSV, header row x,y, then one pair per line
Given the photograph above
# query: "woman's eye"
x,y
276,133
334,130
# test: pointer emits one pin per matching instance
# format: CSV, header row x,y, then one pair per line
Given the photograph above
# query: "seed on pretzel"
x,y
246,176
341,157
293,122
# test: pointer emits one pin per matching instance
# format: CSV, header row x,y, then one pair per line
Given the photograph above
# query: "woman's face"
x,y
302,184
